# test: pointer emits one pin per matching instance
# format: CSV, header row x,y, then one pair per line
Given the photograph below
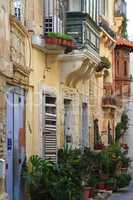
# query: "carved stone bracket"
x,y
76,66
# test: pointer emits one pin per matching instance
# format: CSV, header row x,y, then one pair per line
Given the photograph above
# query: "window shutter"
x,y
49,141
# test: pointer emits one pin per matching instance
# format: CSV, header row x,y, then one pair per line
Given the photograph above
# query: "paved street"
x,y
125,195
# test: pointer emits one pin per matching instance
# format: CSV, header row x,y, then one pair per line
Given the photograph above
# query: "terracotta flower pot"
x,y
52,41
65,43
124,169
59,41
88,192
101,186
108,187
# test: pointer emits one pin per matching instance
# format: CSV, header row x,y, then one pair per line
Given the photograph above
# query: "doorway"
x,y
85,126
67,122
15,151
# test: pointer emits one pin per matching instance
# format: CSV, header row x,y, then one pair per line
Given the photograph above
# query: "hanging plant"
x,y
105,63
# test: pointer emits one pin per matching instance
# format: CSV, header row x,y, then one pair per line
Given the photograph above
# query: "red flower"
x,y
125,146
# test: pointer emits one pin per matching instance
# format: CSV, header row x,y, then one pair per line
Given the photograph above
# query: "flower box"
x,y
88,192
101,186
108,187
60,39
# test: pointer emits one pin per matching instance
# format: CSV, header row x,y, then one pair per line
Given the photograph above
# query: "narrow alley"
x,y
124,195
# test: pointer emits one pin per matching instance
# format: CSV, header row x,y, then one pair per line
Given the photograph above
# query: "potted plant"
x,y
89,190
125,164
110,184
123,180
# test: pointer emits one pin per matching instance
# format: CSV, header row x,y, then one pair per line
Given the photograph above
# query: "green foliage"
x,y
38,175
64,181
124,120
124,32
105,63
118,131
110,157
125,161
49,181
93,181
110,181
60,36
123,180
121,126
69,175
131,77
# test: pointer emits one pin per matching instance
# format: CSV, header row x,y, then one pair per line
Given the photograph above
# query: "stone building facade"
x,y
54,95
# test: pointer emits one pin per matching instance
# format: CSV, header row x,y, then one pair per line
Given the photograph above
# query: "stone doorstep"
x,y
4,196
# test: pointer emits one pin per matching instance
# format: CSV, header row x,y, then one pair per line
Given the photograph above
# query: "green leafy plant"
x,y
125,161
93,181
124,32
110,158
105,63
121,126
38,175
59,35
123,180
110,181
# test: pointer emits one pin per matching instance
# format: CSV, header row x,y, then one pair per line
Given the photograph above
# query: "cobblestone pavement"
x,y
125,195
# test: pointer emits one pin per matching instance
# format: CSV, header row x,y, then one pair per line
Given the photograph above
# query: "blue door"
x,y
15,141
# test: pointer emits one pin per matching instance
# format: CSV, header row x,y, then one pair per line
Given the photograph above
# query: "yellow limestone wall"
x,y
43,75
46,72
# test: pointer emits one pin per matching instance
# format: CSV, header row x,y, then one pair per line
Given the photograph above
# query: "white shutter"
x,y
49,141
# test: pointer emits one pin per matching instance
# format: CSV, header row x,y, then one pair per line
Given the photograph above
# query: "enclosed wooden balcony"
x,y
84,30
109,102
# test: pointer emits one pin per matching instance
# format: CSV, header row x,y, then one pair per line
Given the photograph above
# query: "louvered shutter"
x,y
49,141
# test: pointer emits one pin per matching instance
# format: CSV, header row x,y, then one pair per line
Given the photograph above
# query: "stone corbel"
x,y
75,68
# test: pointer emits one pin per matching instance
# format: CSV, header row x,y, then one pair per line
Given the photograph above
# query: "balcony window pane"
x,y
74,5
103,7
48,5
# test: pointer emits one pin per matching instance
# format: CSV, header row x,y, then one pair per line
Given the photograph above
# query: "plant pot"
x,y
59,41
124,170
88,192
101,186
69,43
49,40
52,41
108,187
65,42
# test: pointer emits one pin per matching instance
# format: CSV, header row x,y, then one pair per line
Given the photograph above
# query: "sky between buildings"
x,y
130,18
130,29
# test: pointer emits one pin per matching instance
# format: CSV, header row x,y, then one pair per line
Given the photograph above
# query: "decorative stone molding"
x,y
20,50
77,66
